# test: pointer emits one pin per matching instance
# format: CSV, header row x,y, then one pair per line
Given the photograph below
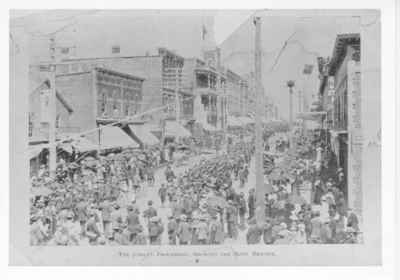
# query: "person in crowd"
x,y
184,231
150,212
216,230
254,232
92,230
155,229
251,202
352,220
231,219
133,222
316,226
242,210
172,228
162,193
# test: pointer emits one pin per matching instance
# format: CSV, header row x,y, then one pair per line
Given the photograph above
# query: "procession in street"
x,y
131,198
131,143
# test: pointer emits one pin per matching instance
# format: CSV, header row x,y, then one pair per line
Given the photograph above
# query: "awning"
x,y
233,121
35,150
175,129
114,137
143,133
81,144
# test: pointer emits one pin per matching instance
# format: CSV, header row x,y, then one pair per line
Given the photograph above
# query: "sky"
x,y
311,35
227,21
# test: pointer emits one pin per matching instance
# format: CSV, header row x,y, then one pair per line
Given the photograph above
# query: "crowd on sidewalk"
x,y
307,203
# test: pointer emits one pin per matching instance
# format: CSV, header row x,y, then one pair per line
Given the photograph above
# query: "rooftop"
x,y
339,49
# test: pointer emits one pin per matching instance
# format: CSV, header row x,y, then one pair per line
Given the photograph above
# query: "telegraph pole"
x,y
177,99
52,109
261,188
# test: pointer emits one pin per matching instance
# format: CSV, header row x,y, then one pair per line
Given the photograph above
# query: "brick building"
x,y
162,74
86,100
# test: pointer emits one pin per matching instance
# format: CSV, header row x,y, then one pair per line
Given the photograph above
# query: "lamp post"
x,y
290,85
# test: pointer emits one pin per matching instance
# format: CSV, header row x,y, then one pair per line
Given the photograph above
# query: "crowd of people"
x,y
307,203
94,201
211,202
86,192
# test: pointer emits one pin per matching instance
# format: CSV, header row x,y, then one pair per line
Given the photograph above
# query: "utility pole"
x,y
177,99
261,188
52,109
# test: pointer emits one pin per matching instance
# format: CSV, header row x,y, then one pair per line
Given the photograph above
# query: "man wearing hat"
x,y
116,216
92,230
316,227
251,202
150,212
231,219
216,230
155,230
184,233
162,193
120,237
202,231
241,201
133,221
172,227
267,231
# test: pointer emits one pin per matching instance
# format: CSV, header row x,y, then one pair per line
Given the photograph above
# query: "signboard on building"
x,y
355,136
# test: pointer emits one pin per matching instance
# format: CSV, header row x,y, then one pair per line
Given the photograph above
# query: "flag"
x,y
308,68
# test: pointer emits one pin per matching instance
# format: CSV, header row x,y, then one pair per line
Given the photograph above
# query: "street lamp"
x,y
290,85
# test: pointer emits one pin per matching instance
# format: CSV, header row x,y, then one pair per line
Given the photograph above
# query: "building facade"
x,y
162,81
85,100
340,97
208,84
